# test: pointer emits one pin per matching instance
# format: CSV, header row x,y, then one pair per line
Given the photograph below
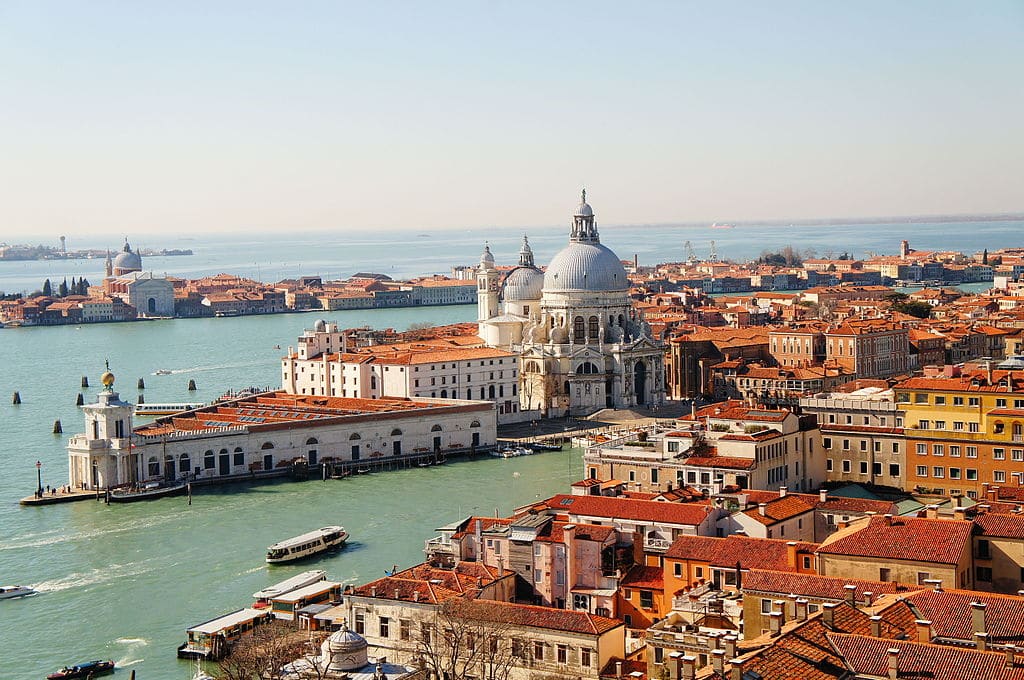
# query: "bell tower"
x,y
100,457
487,286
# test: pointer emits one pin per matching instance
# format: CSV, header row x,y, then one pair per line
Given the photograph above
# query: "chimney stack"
x,y
850,593
894,663
931,512
689,668
876,626
888,518
868,597
1011,656
935,583
924,631
782,491
618,670
774,624
780,607
735,669
791,554
762,509
981,641
978,617
828,614
823,495
730,646
959,513
801,609
718,660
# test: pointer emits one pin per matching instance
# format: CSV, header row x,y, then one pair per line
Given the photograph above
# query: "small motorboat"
x,y
148,491
163,371
89,669
11,592
310,543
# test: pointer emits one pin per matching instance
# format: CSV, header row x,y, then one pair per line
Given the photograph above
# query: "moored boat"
x,y
146,492
307,544
10,592
89,669
294,583
166,409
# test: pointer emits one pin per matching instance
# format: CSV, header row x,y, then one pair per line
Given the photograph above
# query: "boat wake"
x,y
203,369
53,537
252,571
131,641
93,577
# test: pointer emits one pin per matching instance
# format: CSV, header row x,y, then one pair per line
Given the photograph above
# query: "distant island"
x,y
40,252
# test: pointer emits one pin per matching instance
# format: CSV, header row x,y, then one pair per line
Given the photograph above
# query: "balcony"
x,y
439,545
658,544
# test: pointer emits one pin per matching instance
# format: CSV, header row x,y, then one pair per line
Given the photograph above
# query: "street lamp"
x,y
39,477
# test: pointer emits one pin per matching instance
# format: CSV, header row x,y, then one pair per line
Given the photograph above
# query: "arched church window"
x,y
592,328
578,332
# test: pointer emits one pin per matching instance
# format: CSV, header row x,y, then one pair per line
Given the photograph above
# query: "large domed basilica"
x,y
582,345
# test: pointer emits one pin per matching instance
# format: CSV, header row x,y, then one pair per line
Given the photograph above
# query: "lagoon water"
x,y
124,582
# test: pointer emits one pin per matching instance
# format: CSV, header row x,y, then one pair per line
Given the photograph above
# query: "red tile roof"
x,y
780,510
610,507
751,553
905,538
1001,526
639,576
532,616
950,614
868,656
814,586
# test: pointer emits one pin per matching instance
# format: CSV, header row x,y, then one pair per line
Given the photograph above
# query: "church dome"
x,y
344,650
584,209
523,283
128,260
585,266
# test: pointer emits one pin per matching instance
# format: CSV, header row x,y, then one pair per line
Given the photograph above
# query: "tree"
x,y
62,289
261,654
83,286
47,288
463,641
895,297
922,310
984,256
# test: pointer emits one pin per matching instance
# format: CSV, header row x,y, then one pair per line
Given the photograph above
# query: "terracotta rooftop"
x,y
628,509
524,615
904,538
868,657
815,586
950,614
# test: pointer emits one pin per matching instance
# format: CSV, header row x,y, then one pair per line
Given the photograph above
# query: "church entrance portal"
x,y
640,382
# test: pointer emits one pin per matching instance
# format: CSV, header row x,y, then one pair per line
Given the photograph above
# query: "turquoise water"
x,y
124,582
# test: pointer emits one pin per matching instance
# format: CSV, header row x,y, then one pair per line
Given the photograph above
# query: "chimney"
x,y
712,641
689,668
823,495
828,614
730,646
774,624
888,518
876,626
981,641
762,509
935,583
931,512
894,663
1011,656
924,631
780,607
415,596
718,661
791,554
959,513
735,669
618,670
868,597
373,591
782,491
978,617
801,609
850,594
398,594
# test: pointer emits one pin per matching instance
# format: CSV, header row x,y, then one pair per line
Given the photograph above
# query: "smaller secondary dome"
x,y
486,258
584,209
344,650
523,283
127,259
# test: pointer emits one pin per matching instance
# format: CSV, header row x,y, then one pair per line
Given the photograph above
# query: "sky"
x,y
184,117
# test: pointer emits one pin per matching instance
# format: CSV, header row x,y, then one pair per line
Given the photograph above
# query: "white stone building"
x,y
264,435
582,345
150,295
439,369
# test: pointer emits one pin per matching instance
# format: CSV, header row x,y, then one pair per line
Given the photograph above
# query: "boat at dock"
x,y
511,452
146,492
89,669
305,545
166,409
537,447
11,592
294,583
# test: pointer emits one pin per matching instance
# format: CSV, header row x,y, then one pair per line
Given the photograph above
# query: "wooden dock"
x,y
62,497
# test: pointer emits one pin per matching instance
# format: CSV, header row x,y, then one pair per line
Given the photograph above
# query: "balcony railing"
x,y
657,544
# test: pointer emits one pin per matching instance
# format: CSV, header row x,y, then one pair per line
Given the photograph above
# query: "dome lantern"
x,y
584,228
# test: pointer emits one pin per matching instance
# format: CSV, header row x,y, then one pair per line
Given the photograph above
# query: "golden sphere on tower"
x,y
107,379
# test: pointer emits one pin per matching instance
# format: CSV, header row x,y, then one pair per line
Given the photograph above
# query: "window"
x,y
922,449
940,401
894,470
958,401
538,646
677,569
698,572
846,466
998,476
922,471
924,424
954,473
766,606
983,574
863,445
876,468
938,450
972,451
954,451
884,574
562,654
1017,455
585,657
654,475
863,467
984,550
958,425
646,599
425,635
1000,403
360,622
972,427
807,561
239,457
920,398
404,629
828,465
384,626
973,401
999,454
826,442
922,576
938,472
846,445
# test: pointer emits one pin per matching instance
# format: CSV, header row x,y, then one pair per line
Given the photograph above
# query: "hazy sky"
x,y
146,117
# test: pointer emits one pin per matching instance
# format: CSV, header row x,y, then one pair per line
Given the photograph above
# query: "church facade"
x,y
582,345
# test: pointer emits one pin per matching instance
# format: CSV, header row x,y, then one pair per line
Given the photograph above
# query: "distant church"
x,y
126,262
583,346
151,296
